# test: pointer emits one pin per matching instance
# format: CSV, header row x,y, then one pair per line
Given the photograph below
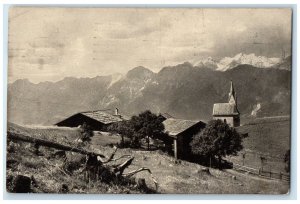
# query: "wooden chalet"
x,y
98,120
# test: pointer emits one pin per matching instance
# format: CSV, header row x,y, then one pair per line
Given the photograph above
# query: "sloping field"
x,y
172,177
268,138
268,135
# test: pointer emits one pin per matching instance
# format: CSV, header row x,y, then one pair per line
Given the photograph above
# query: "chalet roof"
x,y
166,115
225,109
175,126
104,117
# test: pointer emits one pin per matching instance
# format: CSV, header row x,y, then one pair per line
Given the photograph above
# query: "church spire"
x,y
232,92
232,97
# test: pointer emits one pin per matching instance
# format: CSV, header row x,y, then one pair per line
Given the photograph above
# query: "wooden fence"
x,y
262,173
274,175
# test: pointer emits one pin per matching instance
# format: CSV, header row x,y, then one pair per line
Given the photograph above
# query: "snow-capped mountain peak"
x,y
208,62
227,63
251,59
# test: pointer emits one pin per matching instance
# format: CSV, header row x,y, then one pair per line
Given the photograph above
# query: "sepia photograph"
x,y
149,100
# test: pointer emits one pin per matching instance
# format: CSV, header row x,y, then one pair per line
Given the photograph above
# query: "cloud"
x,y
53,43
134,33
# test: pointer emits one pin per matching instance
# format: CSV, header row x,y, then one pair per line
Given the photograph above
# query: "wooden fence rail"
x,y
275,175
262,173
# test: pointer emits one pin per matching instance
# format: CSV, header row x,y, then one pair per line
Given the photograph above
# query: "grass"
x,y
63,135
47,170
50,177
184,177
267,137
104,139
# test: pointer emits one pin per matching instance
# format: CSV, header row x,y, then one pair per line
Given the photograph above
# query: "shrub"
x,y
86,133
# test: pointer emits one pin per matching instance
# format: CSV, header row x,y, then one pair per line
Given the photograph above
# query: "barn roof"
x,y
175,126
166,115
225,109
104,117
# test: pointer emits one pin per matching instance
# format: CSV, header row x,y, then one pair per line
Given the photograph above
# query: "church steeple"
x,y
228,112
232,97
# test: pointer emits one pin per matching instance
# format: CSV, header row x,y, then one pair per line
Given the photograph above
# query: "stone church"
x,y
228,112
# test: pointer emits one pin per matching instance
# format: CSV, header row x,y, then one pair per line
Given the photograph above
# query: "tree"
x,y
148,125
216,140
124,129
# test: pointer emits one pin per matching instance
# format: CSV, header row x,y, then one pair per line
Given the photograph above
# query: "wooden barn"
x,y
98,120
180,134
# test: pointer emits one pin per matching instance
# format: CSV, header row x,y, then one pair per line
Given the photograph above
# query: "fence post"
x,y
244,155
280,176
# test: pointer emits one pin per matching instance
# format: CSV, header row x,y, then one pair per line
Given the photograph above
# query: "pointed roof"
x,y
231,95
231,92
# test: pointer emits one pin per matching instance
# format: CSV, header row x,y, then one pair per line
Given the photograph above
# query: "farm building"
x,y
228,112
98,120
180,134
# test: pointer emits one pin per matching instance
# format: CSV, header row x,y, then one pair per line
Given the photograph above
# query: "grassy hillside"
x,y
268,137
172,177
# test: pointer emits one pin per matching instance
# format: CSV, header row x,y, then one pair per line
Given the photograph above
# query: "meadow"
x,y
268,138
173,177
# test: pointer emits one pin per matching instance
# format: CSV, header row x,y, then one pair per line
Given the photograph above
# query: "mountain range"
x,y
184,91
227,63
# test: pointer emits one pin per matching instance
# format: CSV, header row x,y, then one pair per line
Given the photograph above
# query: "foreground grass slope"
x,y
172,177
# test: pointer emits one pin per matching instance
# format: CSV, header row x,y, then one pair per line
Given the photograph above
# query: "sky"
x,y
49,44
